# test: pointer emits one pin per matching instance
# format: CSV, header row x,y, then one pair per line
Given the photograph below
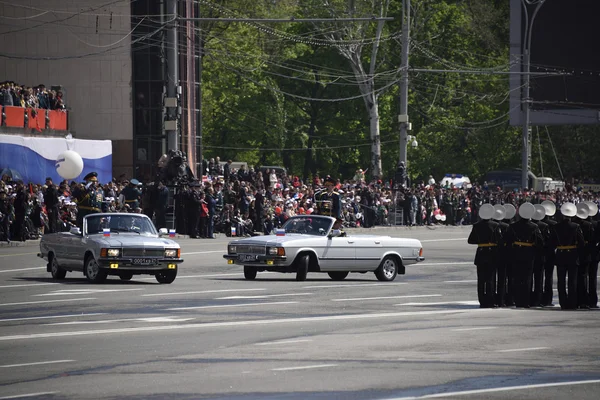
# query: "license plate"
x,y
143,261
247,257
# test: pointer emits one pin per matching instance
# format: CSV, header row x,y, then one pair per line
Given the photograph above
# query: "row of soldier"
x,y
515,259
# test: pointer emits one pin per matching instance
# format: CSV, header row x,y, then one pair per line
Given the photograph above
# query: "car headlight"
x,y
172,253
231,249
114,252
276,251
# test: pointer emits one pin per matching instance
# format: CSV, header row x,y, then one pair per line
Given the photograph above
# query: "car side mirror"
x,y
163,232
335,233
75,231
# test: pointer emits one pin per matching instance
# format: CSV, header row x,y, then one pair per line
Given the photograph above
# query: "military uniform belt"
x,y
89,208
569,247
130,201
487,245
523,244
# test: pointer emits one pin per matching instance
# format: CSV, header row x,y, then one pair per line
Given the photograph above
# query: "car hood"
x,y
273,239
128,240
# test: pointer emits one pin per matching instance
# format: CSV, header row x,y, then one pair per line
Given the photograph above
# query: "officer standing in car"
x,y
328,201
87,199
486,235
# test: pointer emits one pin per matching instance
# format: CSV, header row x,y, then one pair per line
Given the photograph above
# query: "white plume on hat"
x,y
568,210
540,212
582,210
526,210
593,208
486,211
511,211
499,212
550,207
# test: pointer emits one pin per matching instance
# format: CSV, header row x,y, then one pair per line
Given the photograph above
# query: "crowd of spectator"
x,y
254,201
15,95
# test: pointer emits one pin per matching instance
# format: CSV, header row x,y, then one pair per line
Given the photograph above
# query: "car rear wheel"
x,y
93,272
338,275
126,276
167,276
249,272
302,270
56,270
388,269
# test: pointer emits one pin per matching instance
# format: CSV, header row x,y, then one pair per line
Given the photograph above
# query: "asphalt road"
x,y
213,335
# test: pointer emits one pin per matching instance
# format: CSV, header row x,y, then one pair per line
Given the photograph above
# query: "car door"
x,y
369,250
338,254
71,243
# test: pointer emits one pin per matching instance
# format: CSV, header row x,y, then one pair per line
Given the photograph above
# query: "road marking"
x,y
465,281
283,342
193,276
21,269
499,389
203,291
27,284
445,263
22,396
36,363
353,285
203,252
305,367
18,254
442,303
46,301
442,240
260,322
51,317
263,296
517,350
72,292
387,297
480,328
110,321
231,305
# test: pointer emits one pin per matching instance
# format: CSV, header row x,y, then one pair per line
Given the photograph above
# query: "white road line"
x,y
26,285
259,322
111,321
480,328
283,342
498,389
352,285
465,281
204,252
46,301
264,296
16,254
203,291
517,350
441,303
387,297
23,396
21,269
305,367
36,363
443,240
74,292
231,305
52,317
444,263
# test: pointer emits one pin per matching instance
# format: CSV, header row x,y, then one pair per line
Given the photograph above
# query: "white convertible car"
x,y
308,243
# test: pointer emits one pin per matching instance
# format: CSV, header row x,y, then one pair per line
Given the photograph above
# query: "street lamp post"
x,y
526,101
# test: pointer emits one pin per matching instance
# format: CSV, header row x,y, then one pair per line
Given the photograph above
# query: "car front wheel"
x,y
388,269
338,275
249,273
56,270
93,272
302,270
167,276
126,276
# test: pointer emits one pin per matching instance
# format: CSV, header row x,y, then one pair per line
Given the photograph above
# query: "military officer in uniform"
x,y
566,238
328,201
132,194
501,264
540,257
88,199
509,283
523,238
585,254
486,235
593,267
548,277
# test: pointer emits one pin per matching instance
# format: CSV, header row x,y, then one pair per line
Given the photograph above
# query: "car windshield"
x,y
308,225
120,223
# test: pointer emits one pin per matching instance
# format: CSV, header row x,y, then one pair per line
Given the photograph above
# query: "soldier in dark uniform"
x,y
486,235
523,238
540,258
328,201
509,283
566,239
585,255
548,294
132,194
88,200
501,264
192,209
593,268
52,205
20,206
6,211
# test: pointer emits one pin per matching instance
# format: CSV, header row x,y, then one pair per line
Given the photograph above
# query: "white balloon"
x,y
69,164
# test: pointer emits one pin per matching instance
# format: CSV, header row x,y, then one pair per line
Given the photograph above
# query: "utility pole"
x,y
171,125
403,117
199,150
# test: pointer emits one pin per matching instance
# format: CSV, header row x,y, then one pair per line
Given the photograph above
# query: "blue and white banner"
x,y
34,158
